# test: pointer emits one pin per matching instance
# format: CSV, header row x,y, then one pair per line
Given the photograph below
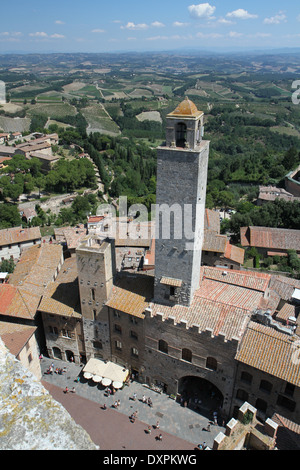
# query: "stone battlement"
x,y
194,328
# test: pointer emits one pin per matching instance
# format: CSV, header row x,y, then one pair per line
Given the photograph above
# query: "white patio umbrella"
x,y
117,385
106,382
87,375
97,378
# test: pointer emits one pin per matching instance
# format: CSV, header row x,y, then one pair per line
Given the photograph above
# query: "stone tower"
x,y
96,269
180,197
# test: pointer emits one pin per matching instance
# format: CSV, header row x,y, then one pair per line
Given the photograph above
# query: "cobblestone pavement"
x,y
111,429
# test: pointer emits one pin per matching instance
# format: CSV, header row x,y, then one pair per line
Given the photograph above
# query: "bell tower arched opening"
x,y
181,130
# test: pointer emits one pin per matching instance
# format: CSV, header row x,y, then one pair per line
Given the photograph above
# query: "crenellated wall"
x,y
170,368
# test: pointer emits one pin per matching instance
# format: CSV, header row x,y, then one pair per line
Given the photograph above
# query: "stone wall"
x,y
30,419
170,368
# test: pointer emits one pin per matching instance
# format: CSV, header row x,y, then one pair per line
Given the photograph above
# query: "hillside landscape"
x,y
114,108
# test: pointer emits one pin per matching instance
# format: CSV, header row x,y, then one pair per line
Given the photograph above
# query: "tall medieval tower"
x,y
180,198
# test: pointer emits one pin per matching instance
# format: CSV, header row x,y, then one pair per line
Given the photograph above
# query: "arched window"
x,y
246,377
242,395
163,346
180,134
187,355
265,386
261,405
211,363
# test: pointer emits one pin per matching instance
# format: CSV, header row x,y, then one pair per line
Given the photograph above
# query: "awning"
x,y
169,281
108,370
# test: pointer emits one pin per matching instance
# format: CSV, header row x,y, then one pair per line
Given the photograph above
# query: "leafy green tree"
x,y
9,216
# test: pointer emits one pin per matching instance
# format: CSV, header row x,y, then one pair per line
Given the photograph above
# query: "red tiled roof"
x,y
234,253
271,351
10,236
272,238
15,336
17,302
248,279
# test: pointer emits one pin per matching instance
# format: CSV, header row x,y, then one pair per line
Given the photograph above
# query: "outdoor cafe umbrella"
x,y
106,382
117,385
97,378
87,375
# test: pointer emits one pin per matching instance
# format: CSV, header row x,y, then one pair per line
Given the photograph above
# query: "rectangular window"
x,y
65,333
289,389
133,335
118,329
118,345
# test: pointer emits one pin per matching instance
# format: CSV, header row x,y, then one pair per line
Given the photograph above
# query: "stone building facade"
x,y
174,352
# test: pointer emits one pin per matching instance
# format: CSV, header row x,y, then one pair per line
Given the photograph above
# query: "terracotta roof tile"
x,y
271,351
272,238
248,279
62,295
132,294
17,302
234,253
37,267
15,336
15,235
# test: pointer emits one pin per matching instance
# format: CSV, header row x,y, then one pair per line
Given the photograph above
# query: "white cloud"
x,y
42,34
203,10
178,24
157,24
133,26
158,38
98,31
39,34
59,22
235,34
209,35
57,36
224,21
280,17
241,14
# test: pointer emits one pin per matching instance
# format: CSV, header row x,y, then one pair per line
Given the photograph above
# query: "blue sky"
x,y
136,25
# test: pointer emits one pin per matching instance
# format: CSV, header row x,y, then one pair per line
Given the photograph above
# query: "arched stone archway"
x,y
70,356
201,395
56,353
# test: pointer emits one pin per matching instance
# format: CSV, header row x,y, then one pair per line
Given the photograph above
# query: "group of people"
x,y
66,390
148,401
58,370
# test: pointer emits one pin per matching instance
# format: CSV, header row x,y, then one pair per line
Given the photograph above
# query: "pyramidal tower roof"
x,y
186,109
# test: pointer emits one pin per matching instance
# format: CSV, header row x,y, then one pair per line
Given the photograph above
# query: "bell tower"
x,y
180,203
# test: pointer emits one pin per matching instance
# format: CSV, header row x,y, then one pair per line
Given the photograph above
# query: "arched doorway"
x,y
56,353
70,356
201,395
